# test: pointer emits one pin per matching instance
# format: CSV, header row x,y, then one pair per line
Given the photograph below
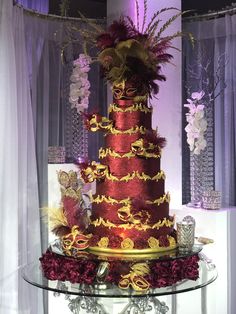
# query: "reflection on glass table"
x,y
89,297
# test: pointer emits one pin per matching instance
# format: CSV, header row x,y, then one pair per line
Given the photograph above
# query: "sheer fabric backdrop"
x,y
37,5
19,214
32,108
218,36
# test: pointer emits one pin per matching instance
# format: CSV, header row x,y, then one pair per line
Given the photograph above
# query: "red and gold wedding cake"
x,y
129,212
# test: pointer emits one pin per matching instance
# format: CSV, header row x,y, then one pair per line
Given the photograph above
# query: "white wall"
x,y
218,225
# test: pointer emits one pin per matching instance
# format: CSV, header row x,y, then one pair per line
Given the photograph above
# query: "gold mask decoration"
x,y
94,171
140,148
141,217
99,123
124,90
75,241
135,278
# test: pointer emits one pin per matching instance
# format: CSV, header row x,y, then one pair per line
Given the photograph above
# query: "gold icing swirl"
x,y
109,152
135,107
142,227
126,201
133,130
136,174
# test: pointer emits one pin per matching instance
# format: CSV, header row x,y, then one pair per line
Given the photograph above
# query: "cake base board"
x,y
96,250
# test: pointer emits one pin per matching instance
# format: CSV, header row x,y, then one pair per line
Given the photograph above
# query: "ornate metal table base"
x,y
135,305
144,305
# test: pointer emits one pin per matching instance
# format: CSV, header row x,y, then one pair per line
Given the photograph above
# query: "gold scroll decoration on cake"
x,y
109,152
135,278
75,241
127,226
126,201
133,130
135,107
135,174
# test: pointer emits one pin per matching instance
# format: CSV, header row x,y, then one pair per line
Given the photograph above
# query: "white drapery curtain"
x,y
19,205
218,36
37,5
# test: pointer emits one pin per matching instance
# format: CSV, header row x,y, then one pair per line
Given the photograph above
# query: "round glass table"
x,y
90,297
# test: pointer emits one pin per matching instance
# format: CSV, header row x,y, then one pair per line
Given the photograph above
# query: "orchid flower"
x,y
79,87
197,123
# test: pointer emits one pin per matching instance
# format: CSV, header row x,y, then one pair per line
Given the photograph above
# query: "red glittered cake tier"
x,y
122,166
125,103
135,188
121,143
149,213
127,120
132,233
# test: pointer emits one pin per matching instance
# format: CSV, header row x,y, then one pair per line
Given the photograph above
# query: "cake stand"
x,y
91,298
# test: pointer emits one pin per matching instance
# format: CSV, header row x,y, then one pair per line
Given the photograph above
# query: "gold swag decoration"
x,y
135,278
135,107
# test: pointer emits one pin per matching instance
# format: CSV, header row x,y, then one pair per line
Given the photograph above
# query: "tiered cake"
x,y
130,210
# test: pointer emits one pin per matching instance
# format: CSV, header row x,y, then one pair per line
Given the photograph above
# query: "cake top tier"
x,y
132,54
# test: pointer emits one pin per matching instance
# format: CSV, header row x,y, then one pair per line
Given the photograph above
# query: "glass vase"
x,y
196,180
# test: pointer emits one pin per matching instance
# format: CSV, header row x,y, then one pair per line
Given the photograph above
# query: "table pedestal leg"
x,y
136,305
145,304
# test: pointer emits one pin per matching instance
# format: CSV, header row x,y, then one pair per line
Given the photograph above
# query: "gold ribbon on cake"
x,y
139,148
75,241
135,278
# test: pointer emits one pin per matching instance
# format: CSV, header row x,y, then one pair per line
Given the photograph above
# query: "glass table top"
x,y
32,273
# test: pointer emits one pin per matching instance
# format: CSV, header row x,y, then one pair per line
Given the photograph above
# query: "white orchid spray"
x,y
79,87
197,124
